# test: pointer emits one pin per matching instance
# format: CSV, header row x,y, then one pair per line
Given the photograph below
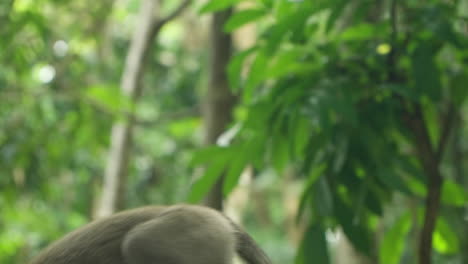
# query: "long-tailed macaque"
x,y
179,234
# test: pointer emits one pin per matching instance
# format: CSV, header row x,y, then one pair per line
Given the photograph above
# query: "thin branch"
x,y
415,121
158,23
428,155
430,163
115,174
174,13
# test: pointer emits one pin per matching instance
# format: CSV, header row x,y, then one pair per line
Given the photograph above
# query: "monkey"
x,y
177,234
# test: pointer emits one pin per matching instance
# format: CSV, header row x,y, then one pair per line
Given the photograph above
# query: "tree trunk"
x,y
113,191
217,112
430,158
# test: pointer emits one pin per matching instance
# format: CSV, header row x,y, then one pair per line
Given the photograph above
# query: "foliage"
x,y
327,91
60,67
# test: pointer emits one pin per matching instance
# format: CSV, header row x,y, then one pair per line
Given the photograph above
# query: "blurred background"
x,y
334,131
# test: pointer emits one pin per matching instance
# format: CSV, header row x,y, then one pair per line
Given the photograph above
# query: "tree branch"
x,y
219,101
174,13
158,23
428,155
115,174
430,164
121,137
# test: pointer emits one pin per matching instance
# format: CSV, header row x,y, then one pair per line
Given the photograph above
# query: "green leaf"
x,y
393,243
241,158
323,198
344,106
184,128
314,248
431,118
362,31
49,111
454,194
235,67
445,239
401,89
283,8
336,11
217,5
296,20
256,75
280,152
214,170
459,88
416,187
391,179
411,169
314,174
258,116
243,17
425,74
373,202
354,231
206,154
235,169
108,97
302,130
287,62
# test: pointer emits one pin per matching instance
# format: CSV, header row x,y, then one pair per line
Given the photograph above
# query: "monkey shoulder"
x,y
182,234
152,234
95,242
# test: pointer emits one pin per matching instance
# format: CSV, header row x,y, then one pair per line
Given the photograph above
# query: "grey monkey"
x,y
178,234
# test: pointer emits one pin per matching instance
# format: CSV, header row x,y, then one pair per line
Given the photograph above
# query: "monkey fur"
x,y
179,234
